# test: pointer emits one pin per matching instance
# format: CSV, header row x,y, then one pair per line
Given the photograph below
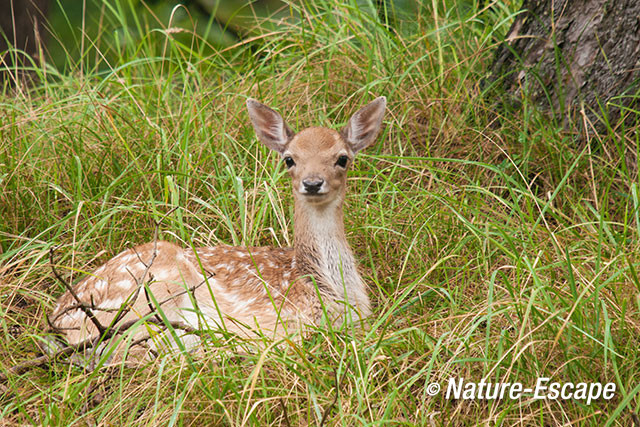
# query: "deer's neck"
x,y
322,250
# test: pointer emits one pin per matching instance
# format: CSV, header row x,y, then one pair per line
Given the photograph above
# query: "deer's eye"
x,y
342,161
289,162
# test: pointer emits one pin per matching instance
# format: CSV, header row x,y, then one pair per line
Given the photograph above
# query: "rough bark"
x,y
570,52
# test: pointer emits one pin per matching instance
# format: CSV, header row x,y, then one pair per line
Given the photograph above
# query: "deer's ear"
x,y
269,126
364,125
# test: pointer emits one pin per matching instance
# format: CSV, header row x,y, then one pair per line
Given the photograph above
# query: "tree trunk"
x,y
565,53
21,27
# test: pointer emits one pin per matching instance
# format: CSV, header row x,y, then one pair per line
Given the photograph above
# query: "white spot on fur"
x,y
239,302
100,285
75,314
162,275
206,314
124,284
129,257
111,303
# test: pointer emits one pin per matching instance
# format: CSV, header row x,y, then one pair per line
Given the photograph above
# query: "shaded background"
x,y
87,33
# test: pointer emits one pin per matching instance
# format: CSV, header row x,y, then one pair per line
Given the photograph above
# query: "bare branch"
x,y
149,304
188,290
335,399
140,282
86,309
91,343
285,413
105,333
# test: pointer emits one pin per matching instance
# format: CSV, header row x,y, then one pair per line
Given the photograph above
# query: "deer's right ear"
x,y
269,126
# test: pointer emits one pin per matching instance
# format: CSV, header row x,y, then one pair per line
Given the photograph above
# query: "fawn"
x,y
243,288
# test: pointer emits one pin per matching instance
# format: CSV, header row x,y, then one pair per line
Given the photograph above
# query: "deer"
x,y
241,289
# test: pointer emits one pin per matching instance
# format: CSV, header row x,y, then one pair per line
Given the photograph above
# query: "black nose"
x,y
312,186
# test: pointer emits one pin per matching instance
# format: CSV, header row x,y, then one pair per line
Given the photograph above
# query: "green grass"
x,y
495,244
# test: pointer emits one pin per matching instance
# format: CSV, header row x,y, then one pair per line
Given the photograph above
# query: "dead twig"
x,y
113,329
140,282
89,344
335,399
190,290
84,307
285,413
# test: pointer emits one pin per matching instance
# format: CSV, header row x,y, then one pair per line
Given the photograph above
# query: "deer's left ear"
x,y
364,125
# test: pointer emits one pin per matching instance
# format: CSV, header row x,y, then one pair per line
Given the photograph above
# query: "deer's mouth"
x,y
315,195
315,198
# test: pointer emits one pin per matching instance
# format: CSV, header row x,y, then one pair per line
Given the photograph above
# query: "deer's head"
x,y
317,158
